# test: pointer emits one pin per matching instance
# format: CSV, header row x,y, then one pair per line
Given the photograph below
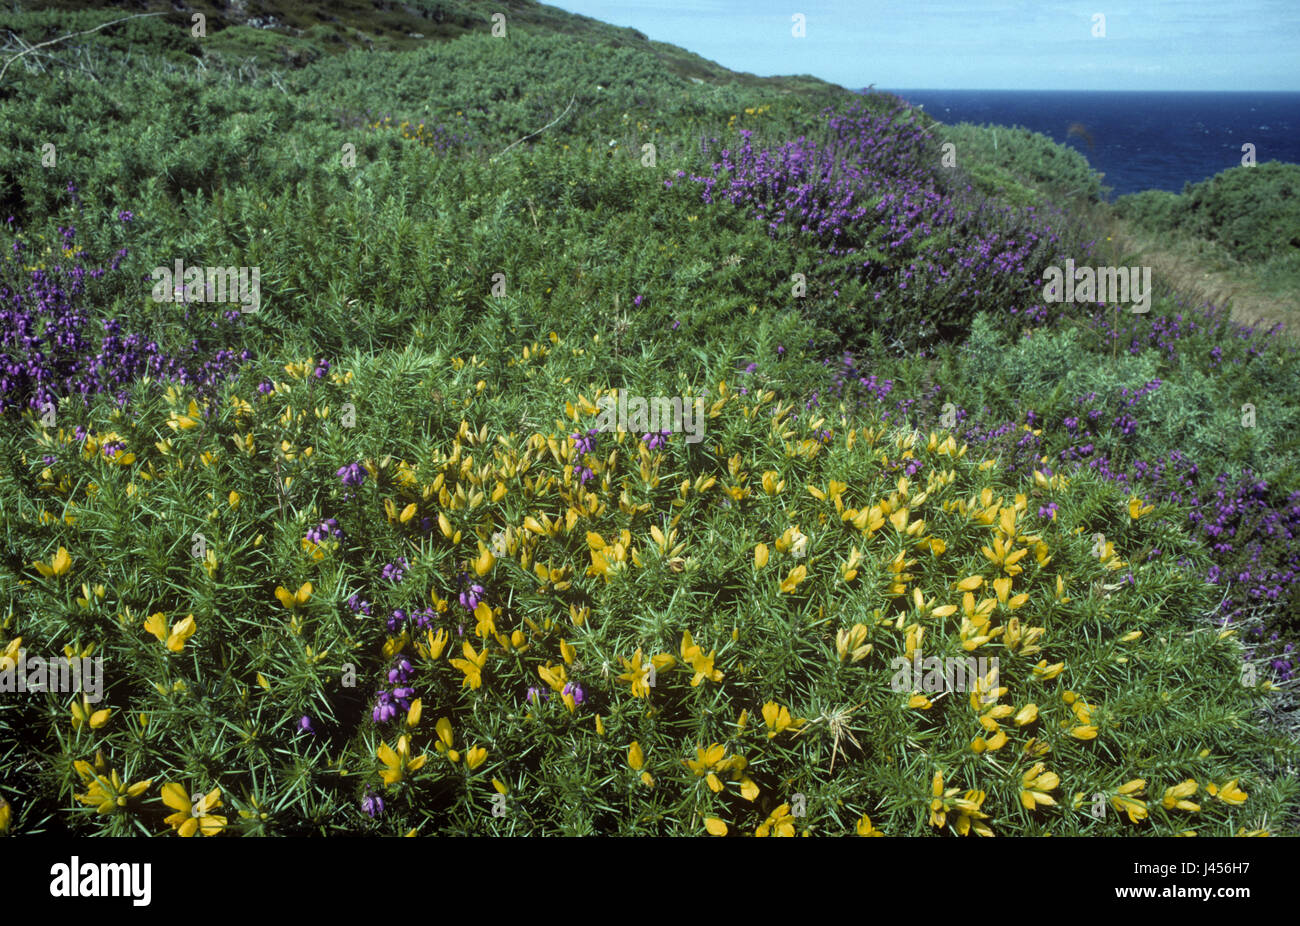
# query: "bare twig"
x,y
543,128
72,35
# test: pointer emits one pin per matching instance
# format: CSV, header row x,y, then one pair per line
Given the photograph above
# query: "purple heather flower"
x,y
352,475
305,726
373,805
576,690
471,596
654,441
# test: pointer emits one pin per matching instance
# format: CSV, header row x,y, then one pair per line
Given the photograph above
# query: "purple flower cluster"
x,y
654,440
848,380
585,444
324,531
358,606
1167,332
352,475
868,189
389,703
420,620
395,572
473,593
573,688
53,343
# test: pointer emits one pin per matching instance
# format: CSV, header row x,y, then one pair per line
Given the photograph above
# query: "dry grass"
x,y
1204,272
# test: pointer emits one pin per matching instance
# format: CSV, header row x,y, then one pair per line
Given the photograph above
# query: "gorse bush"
x,y
388,627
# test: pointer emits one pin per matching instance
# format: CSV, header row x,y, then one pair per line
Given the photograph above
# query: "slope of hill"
x,y
556,433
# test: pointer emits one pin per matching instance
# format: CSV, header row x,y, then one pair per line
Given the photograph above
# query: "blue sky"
x,y
984,44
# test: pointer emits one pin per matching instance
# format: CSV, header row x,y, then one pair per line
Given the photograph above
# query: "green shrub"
x,y
1254,212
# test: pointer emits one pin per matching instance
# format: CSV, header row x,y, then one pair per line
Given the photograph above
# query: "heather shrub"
x,y
916,261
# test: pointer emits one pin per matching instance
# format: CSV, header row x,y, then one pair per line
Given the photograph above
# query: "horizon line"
x,y
1044,90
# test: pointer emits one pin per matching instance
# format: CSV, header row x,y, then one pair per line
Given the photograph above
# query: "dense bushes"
x,y
380,575
1020,166
1254,212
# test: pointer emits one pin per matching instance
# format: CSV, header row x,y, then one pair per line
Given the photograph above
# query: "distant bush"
x,y
1254,212
1018,163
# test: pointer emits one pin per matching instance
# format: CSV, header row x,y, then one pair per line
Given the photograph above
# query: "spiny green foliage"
x,y
587,584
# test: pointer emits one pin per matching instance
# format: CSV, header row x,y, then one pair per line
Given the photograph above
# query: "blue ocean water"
x,y
1140,140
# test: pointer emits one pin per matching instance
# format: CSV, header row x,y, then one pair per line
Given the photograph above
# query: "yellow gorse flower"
x,y
779,822
183,422
1176,796
108,793
472,665
778,719
82,714
849,643
1136,509
175,638
642,673
1035,783
702,665
293,600
193,814
1125,802
792,581
1228,792
866,828
59,564
398,762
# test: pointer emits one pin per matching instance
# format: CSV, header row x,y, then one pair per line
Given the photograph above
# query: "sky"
x,y
1243,45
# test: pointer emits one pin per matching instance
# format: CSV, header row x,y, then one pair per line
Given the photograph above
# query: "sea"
x,y
1140,140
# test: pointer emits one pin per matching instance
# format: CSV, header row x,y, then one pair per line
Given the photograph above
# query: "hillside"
x,y
292,34
556,433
